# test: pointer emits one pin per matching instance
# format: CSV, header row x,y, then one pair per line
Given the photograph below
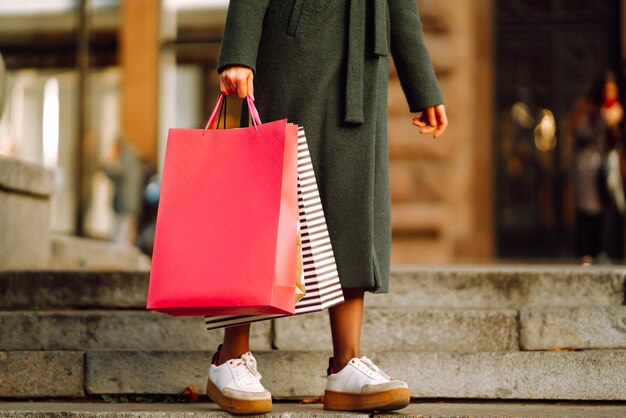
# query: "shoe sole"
x,y
237,406
388,400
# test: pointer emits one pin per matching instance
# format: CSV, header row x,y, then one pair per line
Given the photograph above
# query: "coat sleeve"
x,y
242,33
411,57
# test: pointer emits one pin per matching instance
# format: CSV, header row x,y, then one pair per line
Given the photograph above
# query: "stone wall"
x,y
25,190
441,189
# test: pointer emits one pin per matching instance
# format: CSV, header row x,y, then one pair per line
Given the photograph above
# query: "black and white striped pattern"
x,y
321,279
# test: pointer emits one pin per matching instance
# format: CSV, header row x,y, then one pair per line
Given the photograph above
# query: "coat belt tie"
x,y
356,51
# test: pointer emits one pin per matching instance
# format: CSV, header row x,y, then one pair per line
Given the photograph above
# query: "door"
x,y
547,53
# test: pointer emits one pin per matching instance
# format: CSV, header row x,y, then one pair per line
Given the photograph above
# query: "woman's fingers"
x,y
232,87
418,122
428,130
442,120
226,86
237,80
425,128
241,83
432,119
428,117
251,85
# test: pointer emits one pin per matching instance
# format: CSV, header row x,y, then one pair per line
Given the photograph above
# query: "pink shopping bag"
x,y
226,230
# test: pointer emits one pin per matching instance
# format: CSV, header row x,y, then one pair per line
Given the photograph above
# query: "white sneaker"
x,y
363,386
235,385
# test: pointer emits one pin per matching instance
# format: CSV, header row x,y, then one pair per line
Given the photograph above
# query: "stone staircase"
x,y
488,333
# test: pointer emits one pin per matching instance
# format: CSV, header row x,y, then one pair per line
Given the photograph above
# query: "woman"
x,y
323,64
598,189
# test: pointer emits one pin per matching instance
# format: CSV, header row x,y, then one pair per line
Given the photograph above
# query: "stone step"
x,y
41,289
114,329
384,329
502,287
577,328
294,410
33,374
410,329
576,375
587,375
71,252
466,330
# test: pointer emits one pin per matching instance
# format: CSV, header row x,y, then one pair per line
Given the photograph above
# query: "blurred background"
x,y
531,168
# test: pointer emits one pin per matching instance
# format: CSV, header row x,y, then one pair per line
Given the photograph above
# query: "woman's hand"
x,y
432,119
237,80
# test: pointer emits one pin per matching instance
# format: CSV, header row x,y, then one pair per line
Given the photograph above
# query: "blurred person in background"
x,y
612,185
124,169
598,187
147,224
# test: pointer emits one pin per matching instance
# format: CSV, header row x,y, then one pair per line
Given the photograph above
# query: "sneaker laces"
x,y
369,363
247,365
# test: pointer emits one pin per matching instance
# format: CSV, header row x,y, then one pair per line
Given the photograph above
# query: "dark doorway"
x,y
547,53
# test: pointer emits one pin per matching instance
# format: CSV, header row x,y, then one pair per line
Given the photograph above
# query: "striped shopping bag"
x,y
321,280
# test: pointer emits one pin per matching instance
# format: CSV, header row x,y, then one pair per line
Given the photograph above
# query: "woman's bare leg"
x,y
345,326
236,342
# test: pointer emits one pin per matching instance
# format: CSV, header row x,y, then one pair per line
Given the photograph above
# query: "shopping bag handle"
x,y
254,113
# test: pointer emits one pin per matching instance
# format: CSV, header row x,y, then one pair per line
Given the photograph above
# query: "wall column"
x,y
481,245
139,58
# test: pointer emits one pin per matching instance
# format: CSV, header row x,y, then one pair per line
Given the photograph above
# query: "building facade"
x,y
489,188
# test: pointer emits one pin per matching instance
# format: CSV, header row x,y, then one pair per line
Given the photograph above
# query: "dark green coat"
x,y
324,64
